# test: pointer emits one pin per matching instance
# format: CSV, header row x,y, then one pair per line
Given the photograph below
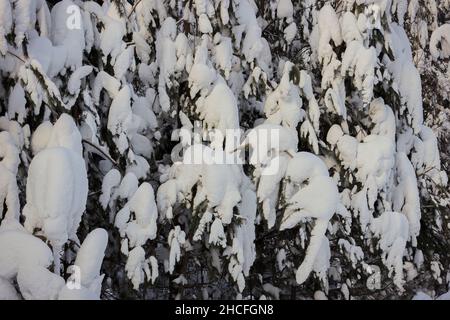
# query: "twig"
x,y
107,156
133,8
15,55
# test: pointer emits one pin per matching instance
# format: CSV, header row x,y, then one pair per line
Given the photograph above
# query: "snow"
x,y
110,182
70,38
177,238
143,227
7,290
134,267
393,230
107,82
220,109
411,93
123,63
52,171
283,105
38,283
166,59
290,32
440,42
201,77
120,117
57,185
360,63
217,235
349,27
41,136
5,24
317,200
406,196
90,257
128,186
65,134
285,9
16,103
19,248
335,122
77,294
317,254
203,24
75,79
224,55
329,29
9,192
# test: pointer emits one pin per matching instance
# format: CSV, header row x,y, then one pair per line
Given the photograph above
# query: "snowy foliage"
x,y
224,149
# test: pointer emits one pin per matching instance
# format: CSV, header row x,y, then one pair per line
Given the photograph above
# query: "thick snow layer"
x,y
57,185
359,62
220,109
224,54
317,200
65,134
177,238
19,248
77,294
16,103
392,228
7,290
90,257
204,25
70,38
166,59
329,29
285,9
9,192
143,226
410,87
135,266
268,139
111,181
5,24
440,42
74,83
349,27
283,105
317,254
38,283
406,197
120,118
128,186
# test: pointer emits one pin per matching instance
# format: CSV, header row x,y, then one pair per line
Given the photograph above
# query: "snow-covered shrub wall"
x,y
332,116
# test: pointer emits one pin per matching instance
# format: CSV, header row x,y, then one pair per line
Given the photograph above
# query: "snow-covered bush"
x,y
321,126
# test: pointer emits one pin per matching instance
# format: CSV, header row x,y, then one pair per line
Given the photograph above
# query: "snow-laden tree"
x,y
229,148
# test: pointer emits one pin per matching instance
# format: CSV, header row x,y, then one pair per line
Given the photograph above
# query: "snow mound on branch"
x,y
38,283
406,198
283,105
440,42
19,248
9,192
329,29
90,257
359,62
393,230
7,290
5,24
70,38
57,185
143,227
317,199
